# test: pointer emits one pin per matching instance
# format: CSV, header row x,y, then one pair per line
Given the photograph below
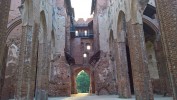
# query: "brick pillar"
x,y
139,63
28,55
163,70
123,77
92,80
42,80
68,35
4,13
25,75
73,84
167,11
3,70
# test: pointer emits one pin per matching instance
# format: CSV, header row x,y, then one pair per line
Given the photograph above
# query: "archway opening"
x,y
83,82
154,57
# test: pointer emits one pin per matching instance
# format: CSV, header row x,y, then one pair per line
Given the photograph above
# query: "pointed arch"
x,y
43,28
12,24
121,27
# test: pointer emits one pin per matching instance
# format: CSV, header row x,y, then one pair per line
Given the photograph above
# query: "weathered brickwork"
x,y
4,13
167,10
40,58
103,73
8,90
60,82
141,78
123,78
24,76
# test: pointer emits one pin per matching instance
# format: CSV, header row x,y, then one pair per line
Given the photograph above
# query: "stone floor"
x,y
85,96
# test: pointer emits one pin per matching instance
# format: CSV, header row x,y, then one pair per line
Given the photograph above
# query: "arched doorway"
x,y
83,82
75,73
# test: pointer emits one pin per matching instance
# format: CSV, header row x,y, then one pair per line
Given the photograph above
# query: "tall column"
x,y
25,90
42,80
73,83
42,72
68,35
123,77
167,13
139,63
4,13
27,58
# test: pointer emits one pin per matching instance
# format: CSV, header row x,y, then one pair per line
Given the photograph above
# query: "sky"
x,y
82,8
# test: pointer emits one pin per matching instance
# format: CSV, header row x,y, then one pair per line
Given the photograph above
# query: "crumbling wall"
x,y
8,91
104,80
60,80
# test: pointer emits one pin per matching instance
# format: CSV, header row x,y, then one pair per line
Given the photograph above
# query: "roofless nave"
x,y
128,48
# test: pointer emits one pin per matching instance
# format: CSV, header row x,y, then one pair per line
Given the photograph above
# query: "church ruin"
x,y
128,48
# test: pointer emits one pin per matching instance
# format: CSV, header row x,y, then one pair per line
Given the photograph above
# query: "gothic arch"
x,y
111,39
12,24
121,21
52,43
75,72
121,27
87,70
112,47
43,27
151,23
10,27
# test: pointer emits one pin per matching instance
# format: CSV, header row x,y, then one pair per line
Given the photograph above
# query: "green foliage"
x,y
83,82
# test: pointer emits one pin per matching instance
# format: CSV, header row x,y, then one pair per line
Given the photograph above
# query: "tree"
x,y
83,82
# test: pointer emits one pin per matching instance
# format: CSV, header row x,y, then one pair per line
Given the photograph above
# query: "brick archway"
x,y
74,73
12,24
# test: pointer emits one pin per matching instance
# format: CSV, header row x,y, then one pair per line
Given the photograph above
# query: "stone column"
x,y
27,58
123,77
4,13
3,70
42,80
92,79
167,11
68,35
73,83
141,78
25,83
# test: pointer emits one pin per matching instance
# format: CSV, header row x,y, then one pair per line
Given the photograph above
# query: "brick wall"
x,y
168,16
4,13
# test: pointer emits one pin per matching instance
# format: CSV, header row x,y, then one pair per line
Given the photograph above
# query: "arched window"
x,y
85,55
85,33
76,33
